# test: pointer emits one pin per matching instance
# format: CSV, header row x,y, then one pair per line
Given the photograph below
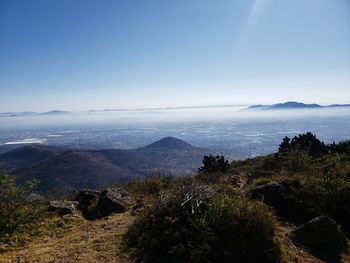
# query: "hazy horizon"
x,y
243,106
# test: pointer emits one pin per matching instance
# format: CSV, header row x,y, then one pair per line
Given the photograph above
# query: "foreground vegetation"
x,y
230,226
216,216
21,211
196,225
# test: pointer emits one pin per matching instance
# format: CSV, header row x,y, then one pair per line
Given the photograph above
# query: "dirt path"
x,y
77,240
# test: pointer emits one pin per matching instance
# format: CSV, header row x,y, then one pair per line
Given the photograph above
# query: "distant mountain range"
x,y
278,106
60,170
294,105
31,113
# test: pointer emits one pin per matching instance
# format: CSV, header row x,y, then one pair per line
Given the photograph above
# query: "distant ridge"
x,y
62,170
32,113
170,143
289,105
56,112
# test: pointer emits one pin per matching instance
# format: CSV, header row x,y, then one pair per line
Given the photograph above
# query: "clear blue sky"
x,y
84,54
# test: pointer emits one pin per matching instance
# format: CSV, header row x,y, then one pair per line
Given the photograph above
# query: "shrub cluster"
x,y
151,185
307,142
20,209
198,225
318,196
214,164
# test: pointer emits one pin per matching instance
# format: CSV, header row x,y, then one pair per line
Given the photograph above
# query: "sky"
x,y
90,54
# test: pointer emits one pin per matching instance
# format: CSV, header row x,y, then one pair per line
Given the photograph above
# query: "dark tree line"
x,y
307,142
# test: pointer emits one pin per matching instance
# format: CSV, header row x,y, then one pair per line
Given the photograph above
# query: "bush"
x,y
312,196
152,185
19,208
323,196
343,147
298,163
214,164
198,225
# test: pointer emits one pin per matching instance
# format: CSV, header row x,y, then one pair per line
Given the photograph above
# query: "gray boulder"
x,y
323,237
63,207
114,200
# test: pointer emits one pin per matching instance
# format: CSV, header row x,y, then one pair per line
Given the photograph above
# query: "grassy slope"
x,y
74,239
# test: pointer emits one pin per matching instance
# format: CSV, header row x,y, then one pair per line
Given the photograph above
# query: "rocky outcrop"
x,y
279,195
96,204
271,193
88,200
63,207
322,235
114,200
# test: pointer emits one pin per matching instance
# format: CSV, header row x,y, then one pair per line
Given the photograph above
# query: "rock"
x,y
283,197
323,236
270,193
114,200
88,200
238,180
63,207
137,208
280,197
11,244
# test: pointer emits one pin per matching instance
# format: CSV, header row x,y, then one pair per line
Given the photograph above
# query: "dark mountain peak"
x,y
26,155
294,105
61,169
32,150
170,143
339,105
286,105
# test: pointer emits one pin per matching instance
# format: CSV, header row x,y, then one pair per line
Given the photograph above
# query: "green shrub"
x,y
298,162
343,147
214,164
318,196
152,185
20,210
197,225
307,142
311,196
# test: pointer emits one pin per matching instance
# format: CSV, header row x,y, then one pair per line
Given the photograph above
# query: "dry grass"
x,y
290,252
76,240
73,239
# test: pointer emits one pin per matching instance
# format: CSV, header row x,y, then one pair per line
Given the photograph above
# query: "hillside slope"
x,y
74,239
27,155
60,170
74,170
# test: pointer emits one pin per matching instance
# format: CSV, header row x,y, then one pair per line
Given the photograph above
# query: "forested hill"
x,y
63,170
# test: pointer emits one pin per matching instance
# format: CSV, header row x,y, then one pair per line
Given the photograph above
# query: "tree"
x,y
214,164
284,147
306,142
19,208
